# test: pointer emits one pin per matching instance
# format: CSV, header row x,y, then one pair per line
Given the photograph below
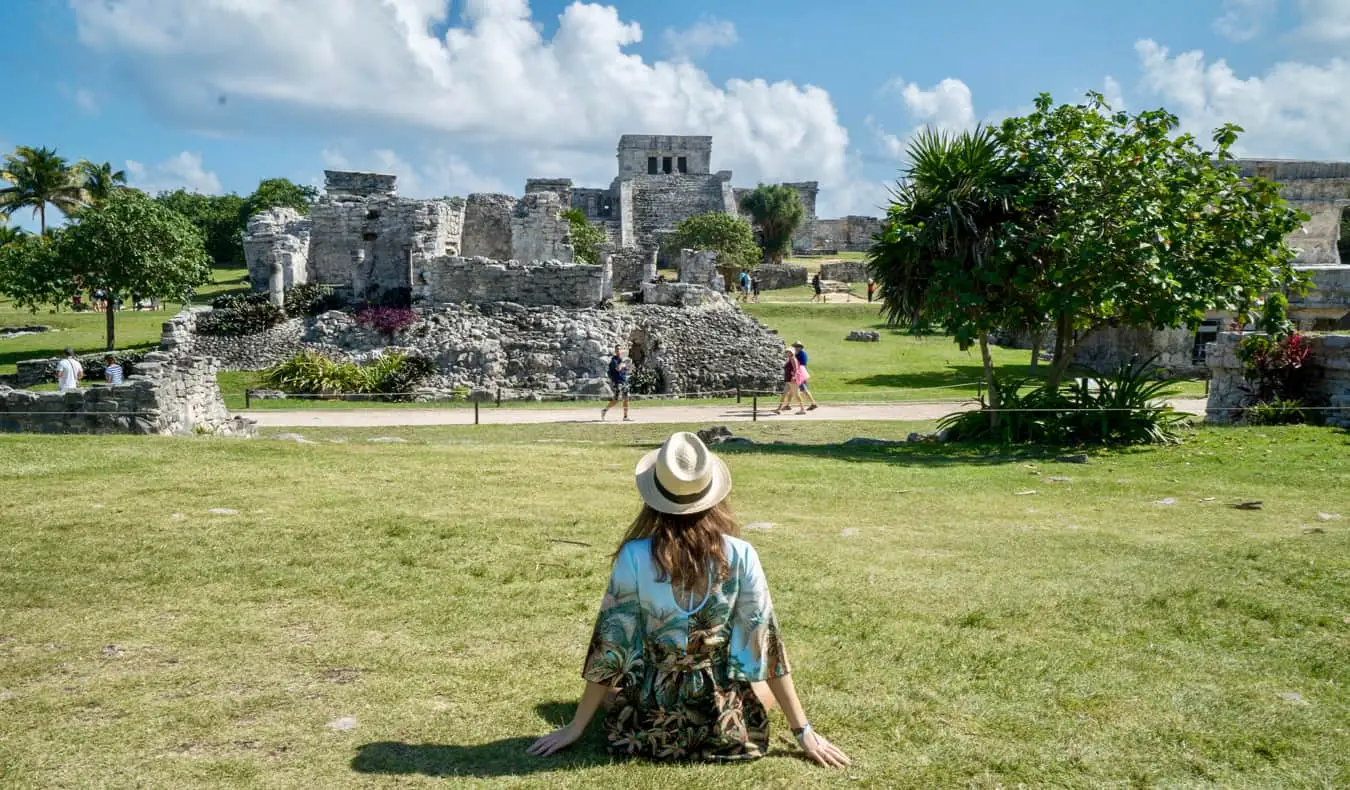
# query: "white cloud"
x,y
1243,20
1295,110
86,101
947,107
492,82
1111,91
1326,20
183,171
699,39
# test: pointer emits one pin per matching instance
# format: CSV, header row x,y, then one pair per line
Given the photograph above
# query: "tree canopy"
x,y
776,211
127,244
222,219
587,237
1111,218
730,236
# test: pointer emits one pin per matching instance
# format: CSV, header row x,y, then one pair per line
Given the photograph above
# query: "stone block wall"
x,y
348,184
632,267
539,231
448,280
170,395
804,239
844,271
1330,384
365,248
773,276
487,226
655,205
1327,301
1106,349
562,187
276,242
846,234
636,149
699,267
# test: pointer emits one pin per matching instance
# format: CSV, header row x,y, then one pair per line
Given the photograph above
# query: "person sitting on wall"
x,y
69,372
112,372
686,651
618,380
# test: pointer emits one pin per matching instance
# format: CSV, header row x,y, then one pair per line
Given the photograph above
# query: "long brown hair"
x,y
684,546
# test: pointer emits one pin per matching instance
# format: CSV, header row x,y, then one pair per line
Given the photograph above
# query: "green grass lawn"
x,y
956,617
85,332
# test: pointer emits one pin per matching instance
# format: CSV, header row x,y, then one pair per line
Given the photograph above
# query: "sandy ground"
x,y
490,415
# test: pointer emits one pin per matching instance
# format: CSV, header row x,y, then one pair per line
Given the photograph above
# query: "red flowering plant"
x,y
1276,367
388,321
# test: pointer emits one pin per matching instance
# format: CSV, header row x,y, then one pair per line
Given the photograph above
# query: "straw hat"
x,y
682,476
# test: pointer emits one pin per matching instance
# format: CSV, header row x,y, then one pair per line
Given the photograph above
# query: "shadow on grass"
x,y
951,375
909,454
505,757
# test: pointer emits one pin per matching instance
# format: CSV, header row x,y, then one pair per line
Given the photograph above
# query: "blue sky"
x,y
476,95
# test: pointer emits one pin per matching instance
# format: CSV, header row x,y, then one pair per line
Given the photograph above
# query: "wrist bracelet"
x,y
800,733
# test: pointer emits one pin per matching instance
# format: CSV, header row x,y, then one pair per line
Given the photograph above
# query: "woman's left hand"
x,y
554,741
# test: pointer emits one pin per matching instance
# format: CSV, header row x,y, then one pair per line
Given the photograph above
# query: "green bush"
x,y
311,373
645,381
1276,412
1122,411
236,315
310,299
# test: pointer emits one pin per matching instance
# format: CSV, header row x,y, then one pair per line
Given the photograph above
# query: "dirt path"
x,y
488,415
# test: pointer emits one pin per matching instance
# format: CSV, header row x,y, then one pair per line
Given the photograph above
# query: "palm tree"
x,y
98,181
9,235
36,177
938,255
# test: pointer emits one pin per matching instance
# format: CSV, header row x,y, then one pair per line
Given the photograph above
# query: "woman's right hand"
x,y
822,751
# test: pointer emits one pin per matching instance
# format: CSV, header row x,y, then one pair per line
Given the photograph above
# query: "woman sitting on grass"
x,y
686,627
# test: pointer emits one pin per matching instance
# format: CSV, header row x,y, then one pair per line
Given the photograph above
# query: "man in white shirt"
x,y
69,371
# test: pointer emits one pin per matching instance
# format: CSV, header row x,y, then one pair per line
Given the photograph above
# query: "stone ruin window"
x,y
683,164
651,166
368,236
372,214
666,165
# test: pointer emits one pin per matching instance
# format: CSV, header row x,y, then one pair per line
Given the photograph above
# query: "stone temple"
x,y
370,244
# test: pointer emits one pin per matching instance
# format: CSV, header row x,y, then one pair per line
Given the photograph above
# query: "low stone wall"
x,y
179,336
1329,385
1107,349
773,277
844,271
632,267
679,294
448,280
171,395
699,267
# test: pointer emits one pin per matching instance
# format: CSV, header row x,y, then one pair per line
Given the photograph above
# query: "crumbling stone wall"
x,y
562,187
277,242
803,240
844,271
1321,189
773,276
655,205
539,231
1329,384
1327,302
699,267
487,226
448,280
846,234
169,395
352,184
632,267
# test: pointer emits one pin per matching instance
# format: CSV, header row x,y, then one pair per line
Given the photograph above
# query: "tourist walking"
x,y
791,368
618,381
819,290
69,372
744,280
686,640
871,288
799,351
754,287
112,372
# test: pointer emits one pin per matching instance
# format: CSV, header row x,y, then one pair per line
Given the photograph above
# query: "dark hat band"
x,y
680,499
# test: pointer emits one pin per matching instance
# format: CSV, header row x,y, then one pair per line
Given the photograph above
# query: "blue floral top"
x,y
684,674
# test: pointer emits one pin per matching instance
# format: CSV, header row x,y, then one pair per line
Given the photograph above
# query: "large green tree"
x,y
128,244
730,236
36,178
943,255
220,219
776,211
279,193
1125,221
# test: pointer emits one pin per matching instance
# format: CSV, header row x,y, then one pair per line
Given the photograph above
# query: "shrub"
x,y
235,315
1275,368
1122,411
388,321
310,299
1276,412
645,381
310,373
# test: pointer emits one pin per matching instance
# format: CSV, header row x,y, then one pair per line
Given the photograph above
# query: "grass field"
x,y
380,615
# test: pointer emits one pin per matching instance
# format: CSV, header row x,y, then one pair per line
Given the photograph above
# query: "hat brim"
x,y
645,474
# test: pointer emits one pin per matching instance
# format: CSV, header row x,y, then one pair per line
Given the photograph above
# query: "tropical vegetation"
x,y
37,178
728,235
587,237
776,211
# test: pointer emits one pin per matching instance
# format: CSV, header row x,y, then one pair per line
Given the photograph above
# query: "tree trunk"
x,y
108,312
995,401
42,218
1064,346
1037,338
